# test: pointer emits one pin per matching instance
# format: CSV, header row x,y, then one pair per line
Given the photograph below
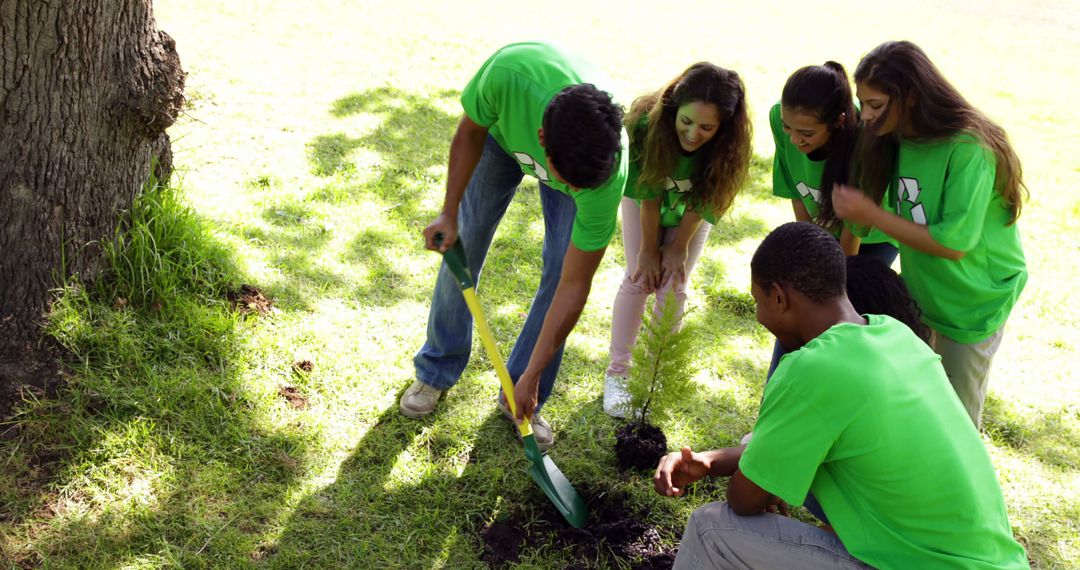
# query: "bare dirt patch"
x,y
293,396
250,300
613,532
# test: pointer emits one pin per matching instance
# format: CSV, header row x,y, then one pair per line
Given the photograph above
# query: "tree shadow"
x,y
139,423
378,512
384,283
409,149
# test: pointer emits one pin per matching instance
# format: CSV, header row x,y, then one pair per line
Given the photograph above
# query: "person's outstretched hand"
x,y
677,470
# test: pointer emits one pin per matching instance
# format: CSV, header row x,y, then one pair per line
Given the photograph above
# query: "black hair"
x,y
804,257
582,135
874,288
825,92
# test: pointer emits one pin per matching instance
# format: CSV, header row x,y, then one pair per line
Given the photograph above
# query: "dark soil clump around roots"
x,y
639,446
613,532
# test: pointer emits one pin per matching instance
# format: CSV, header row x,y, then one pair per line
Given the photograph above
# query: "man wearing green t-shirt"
x,y
536,109
862,417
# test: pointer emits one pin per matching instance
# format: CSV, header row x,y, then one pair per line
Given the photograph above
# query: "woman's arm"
x,y
801,213
648,267
673,255
849,242
853,205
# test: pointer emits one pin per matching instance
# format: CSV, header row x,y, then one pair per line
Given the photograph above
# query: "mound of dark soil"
x,y
293,396
639,446
613,532
250,300
502,543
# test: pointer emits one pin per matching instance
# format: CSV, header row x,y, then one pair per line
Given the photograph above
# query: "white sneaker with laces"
x,y
616,398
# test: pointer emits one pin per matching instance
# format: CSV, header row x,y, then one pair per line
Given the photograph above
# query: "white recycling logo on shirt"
x,y
526,160
909,192
681,186
805,190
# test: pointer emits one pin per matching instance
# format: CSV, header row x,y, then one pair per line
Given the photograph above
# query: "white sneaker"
x,y
616,398
419,400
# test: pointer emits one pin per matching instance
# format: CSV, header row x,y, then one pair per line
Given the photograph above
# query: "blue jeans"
x,y
443,358
884,251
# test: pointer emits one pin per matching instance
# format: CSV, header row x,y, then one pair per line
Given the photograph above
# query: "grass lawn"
x,y
312,152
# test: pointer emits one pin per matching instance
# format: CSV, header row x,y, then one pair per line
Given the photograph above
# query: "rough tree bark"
x,y
87,89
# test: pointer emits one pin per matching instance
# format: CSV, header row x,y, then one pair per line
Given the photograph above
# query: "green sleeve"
x,y
482,94
968,189
635,190
596,218
598,208
783,185
791,437
705,212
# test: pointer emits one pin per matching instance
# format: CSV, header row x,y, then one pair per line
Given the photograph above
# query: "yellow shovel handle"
x,y
488,341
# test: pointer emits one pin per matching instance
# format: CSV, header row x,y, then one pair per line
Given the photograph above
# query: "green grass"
x,y
312,152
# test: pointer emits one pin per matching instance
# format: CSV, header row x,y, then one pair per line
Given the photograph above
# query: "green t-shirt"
x,y
509,95
674,195
865,418
948,186
797,177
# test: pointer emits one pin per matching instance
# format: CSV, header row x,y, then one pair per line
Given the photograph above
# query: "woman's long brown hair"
x,y
723,163
929,108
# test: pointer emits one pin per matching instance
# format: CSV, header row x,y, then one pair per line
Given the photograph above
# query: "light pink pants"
x,y
630,302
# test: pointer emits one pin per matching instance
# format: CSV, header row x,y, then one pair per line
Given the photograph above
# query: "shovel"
x,y
542,469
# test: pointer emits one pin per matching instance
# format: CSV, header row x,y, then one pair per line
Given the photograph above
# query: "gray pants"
x,y
968,369
716,537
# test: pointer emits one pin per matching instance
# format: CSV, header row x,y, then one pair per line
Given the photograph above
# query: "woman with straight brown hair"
x,y
958,189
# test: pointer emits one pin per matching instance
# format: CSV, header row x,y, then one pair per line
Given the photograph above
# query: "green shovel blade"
x,y
555,485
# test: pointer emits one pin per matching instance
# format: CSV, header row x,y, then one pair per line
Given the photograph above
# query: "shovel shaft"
x,y
488,341
542,469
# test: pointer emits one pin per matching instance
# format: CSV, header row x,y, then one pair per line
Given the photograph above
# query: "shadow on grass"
x,y
372,253
155,452
380,513
380,174
410,143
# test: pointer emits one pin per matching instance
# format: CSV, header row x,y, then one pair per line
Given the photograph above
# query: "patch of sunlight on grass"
x,y
446,549
1037,494
146,562
130,468
414,464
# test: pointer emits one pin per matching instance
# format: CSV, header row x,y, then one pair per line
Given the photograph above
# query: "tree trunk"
x,y
87,89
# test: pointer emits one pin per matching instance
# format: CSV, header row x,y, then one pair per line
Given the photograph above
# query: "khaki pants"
x,y
968,369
